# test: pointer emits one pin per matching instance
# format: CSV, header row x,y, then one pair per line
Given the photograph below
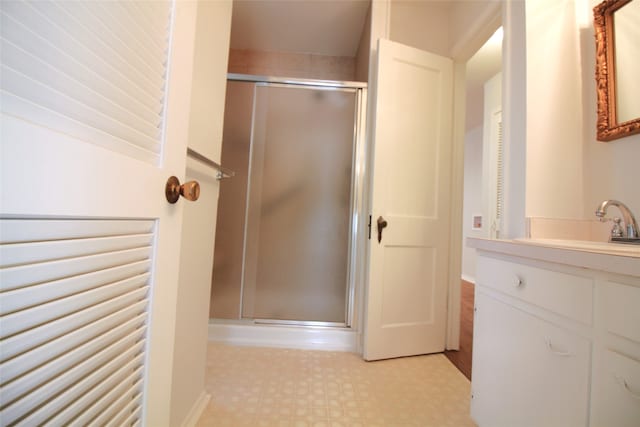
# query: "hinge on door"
x,y
369,227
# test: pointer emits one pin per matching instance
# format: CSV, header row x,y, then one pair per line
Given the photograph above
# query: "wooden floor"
x,y
462,358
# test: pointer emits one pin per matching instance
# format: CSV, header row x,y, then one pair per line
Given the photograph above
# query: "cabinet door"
x,y
616,392
526,371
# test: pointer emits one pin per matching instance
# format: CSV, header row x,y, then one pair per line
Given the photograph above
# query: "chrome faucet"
x,y
630,224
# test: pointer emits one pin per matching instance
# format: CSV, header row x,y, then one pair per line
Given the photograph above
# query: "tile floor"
x,y
280,387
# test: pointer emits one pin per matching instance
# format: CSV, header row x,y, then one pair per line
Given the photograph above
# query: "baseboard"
x,y
196,410
307,338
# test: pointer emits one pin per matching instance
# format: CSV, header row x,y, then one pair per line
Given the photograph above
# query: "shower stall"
x,y
290,222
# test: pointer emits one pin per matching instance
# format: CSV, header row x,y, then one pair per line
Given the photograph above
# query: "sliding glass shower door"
x,y
298,216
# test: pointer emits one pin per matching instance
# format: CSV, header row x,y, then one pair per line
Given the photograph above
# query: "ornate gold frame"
x,y
608,127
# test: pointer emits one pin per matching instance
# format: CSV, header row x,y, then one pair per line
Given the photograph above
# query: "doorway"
x,y
286,227
482,177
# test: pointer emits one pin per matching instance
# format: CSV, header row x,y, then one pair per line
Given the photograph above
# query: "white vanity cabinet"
x,y
529,369
616,365
555,343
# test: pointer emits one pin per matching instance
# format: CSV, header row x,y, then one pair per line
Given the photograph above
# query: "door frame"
x,y
469,43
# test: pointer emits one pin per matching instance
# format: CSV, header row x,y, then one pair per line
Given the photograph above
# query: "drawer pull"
x,y
517,282
624,385
554,351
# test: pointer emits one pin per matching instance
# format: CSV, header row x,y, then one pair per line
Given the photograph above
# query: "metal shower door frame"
x,y
357,224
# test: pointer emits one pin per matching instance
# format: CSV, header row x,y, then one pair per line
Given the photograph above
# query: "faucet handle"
x,y
617,230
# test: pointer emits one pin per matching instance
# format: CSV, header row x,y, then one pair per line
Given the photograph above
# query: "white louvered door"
x,y
497,174
95,105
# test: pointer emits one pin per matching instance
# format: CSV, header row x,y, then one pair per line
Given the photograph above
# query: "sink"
x,y
629,249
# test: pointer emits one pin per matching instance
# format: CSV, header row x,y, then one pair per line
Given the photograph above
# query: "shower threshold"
x,y
330,336
305,323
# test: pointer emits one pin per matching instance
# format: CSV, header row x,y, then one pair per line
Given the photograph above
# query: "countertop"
x,y
609,257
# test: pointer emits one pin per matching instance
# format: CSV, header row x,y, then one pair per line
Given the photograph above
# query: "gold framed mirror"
x,y
617,67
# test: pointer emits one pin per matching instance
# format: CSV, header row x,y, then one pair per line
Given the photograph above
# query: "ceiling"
x,y
324,27
334,27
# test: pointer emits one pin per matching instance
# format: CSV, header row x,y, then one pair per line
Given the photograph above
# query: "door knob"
x,y
189,190
382,223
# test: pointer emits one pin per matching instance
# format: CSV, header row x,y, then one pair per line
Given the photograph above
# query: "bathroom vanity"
x,y
556,334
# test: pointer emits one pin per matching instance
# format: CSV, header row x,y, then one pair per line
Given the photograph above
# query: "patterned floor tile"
x,y
281,387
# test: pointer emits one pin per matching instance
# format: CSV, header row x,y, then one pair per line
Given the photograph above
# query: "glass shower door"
x,y
299,204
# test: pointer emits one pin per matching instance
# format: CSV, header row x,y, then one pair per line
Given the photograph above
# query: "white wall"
x,y
421,24
554,111
472,198
211,53
290,64
364,51
196,261
610,168
514,117
198,228
469,18
568,171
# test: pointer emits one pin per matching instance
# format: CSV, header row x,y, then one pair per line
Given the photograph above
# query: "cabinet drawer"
x,y
565,294
622,310
617,392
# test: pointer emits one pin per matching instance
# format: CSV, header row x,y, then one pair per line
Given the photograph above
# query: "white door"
x,y
92,127
406,302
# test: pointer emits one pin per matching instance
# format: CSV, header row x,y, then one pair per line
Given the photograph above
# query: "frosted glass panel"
x,y
227,262
298,213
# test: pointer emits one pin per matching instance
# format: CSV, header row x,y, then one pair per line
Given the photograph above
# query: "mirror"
x,y
617,32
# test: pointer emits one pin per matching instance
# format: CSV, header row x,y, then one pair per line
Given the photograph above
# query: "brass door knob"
x,y
189,190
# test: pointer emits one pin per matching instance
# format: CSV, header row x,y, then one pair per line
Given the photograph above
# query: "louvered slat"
x,y
30,22
64,100
109,85
115,408
27,319
17,277
151,57
99,398
150,78
26,340
23,253
127,415
75,322
151,38
93,70
22,108
14,230
133,30
41,71
500,173
30,381
129,410
39,355
19,299
91,372
155,12
136,53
